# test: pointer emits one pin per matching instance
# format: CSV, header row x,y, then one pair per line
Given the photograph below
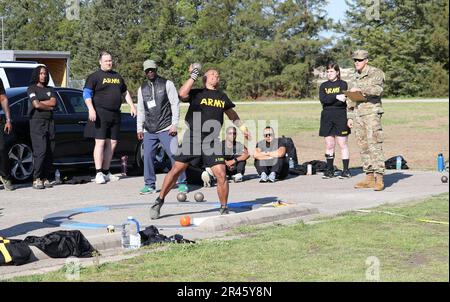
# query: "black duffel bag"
x,y
14,252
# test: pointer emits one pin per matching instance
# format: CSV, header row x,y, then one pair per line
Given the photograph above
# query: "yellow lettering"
x,y
210,102
204,102
218,103
111,81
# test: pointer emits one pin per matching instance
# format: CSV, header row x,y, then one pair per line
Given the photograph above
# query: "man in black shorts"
x,y
5,127
103,93
205,120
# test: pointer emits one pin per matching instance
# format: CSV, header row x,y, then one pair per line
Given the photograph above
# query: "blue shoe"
x,y
183,188
147,190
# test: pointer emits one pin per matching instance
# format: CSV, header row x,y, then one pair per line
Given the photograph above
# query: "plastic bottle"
x,y
57,177
440,162
309,169
291,163
398,163
124,164
131,239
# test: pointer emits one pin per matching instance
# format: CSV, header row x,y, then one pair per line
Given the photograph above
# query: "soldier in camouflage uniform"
x,y
365,117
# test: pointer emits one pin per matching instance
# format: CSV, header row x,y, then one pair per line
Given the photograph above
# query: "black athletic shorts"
x,y
191,152
106,125
333,122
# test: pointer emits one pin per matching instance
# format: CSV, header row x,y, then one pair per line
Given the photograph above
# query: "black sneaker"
x,y
345,174
328,174
155,208
224,210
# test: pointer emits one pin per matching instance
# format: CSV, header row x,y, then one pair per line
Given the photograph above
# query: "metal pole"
x,y
3,42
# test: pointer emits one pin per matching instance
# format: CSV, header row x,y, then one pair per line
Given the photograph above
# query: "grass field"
x,y
343,248
417,131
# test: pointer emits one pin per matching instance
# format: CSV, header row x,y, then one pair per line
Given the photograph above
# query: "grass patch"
x,y
334,250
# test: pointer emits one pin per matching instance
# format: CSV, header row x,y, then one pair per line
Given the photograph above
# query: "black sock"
x,y
345,163
330,161
106,172
98,170
159,200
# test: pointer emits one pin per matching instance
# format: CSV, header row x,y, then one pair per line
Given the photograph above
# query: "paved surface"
x,y
93,206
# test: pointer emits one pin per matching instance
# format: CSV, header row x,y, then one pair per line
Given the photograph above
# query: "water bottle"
x,y
440,162
291,163
398,164
124,165
131,239
309,169
57,177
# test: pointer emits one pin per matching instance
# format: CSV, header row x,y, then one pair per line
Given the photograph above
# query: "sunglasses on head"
x,y
358,60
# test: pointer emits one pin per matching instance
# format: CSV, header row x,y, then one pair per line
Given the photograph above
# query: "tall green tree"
x,y
408,40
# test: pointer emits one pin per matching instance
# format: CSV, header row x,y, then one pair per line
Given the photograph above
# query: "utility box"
x,y
58,62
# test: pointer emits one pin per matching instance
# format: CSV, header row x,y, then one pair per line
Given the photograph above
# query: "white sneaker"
x,y
264,177
100,178
272,177
237,177
111,177
206,179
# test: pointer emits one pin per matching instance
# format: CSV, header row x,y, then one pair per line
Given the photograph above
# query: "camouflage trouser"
x,y
369,135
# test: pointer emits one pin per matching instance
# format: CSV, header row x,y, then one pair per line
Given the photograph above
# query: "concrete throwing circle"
x,y
65,218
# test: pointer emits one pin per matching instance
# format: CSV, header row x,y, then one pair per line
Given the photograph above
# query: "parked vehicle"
x,y
72,149
18,73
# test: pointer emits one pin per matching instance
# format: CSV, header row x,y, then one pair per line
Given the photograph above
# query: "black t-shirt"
x,y
108,87
327,94
234,152
209,106
273,146
41,94
2,88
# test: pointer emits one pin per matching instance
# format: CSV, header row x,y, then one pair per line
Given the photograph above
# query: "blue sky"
x,y
336,9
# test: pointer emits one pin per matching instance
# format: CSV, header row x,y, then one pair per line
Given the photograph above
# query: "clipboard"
x,y
355,96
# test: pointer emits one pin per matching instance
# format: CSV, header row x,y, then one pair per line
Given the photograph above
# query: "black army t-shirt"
x,y
2,88
41,94
206,111
273,146
328,92
107,87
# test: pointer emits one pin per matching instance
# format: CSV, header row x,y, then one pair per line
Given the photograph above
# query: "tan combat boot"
x,y
369,182
379,182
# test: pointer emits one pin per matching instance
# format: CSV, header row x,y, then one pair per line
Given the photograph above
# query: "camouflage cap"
x,y
360,54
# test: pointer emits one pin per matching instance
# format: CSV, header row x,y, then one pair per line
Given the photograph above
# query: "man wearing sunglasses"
x,y
365,117
270,157
157,122
236,155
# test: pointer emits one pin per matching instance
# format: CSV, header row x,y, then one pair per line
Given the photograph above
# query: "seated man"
x,y
270,157
235,154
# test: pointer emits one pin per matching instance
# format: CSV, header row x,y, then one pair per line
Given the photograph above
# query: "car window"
x,y
16,109
18,77
58,110
74,101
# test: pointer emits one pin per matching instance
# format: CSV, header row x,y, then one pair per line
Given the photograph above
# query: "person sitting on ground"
x,y
270,157
236,155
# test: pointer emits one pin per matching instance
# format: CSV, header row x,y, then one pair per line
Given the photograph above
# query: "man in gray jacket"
x,y
157,122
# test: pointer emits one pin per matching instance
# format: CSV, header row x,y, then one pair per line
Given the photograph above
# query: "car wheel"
x,y
161,163
21,160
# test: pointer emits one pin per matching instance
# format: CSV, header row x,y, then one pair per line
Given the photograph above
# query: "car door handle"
x,y
82,122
